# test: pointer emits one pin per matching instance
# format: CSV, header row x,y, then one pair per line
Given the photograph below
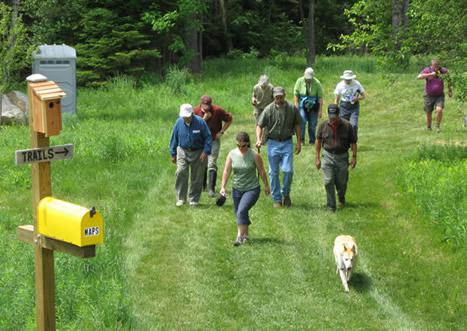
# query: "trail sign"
x,y
47,154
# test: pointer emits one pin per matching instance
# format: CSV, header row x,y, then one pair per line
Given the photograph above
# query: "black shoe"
x,y
342,202
286,201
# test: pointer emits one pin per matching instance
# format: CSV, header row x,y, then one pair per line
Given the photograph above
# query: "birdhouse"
x,y
46,107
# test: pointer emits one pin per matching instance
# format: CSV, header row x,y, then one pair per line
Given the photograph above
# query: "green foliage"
x,y
111,45
176,79
436,180
15,47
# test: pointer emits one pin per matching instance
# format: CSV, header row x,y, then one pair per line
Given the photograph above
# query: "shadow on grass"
x,y
268,241
355,205
360,282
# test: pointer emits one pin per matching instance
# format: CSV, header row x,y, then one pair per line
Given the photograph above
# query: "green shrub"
x,y
176,79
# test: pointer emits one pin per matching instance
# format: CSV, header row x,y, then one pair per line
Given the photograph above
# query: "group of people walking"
x,y
196,141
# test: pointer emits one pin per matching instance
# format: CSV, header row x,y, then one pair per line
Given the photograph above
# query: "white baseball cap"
x,y
186,110
309,72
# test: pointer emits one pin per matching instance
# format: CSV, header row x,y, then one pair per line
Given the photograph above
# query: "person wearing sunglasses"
x,y
245,163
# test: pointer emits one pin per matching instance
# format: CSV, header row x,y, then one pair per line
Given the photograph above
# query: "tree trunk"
x,y
227,38
309,27
400,20
193,41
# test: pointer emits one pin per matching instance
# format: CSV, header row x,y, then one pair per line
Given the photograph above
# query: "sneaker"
x,y
179,203
238,241
277,204
286,201
245,239
194,203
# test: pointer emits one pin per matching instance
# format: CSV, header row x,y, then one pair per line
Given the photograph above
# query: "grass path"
x,y
185,274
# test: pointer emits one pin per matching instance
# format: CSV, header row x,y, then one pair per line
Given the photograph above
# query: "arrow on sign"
x,y
65,151
46,154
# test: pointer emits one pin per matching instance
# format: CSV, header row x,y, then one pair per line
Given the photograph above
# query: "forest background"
x,y
142,38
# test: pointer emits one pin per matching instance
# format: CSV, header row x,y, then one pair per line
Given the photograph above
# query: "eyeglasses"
x,y
242,145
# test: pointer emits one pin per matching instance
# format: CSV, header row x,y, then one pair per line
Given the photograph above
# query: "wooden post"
x,y
44,258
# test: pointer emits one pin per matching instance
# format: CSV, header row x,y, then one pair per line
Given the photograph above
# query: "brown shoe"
x,y
286,201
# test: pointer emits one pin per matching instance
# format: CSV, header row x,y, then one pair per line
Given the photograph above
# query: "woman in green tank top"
x,y
245,163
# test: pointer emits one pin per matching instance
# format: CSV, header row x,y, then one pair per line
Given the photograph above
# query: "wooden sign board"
x,y
46,154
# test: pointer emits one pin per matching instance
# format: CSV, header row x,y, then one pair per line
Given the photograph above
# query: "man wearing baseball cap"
x,y
190,146
218,121
281,121
335,137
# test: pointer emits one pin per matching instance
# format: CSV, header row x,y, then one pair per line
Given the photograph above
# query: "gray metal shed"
x,y
58,63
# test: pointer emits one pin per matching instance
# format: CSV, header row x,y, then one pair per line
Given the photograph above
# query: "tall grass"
x,y
436,179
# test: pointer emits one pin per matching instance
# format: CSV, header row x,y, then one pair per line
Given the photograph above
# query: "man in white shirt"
x,y
348,94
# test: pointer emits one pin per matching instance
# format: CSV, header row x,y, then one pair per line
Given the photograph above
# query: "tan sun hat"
x,y
348,75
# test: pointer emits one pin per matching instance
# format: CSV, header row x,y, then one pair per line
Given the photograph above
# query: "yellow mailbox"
x,y
46,107
68,222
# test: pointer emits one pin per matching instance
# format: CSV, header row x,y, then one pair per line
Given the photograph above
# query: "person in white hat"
x,y
190,146
348,94
261,96
308,99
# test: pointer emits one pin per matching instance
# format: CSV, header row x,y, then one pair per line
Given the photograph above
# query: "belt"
x,y
335,153
282,139
191,149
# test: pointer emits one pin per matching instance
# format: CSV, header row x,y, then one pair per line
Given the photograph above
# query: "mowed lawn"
x,y
185,273
175,268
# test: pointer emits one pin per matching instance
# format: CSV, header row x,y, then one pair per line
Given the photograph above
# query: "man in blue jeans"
x,y
281,121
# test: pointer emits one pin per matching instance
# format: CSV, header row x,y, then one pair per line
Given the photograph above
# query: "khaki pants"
x,y
188,161
336,175
212,159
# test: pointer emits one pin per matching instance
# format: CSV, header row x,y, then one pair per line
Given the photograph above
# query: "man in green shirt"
x,y
282,121
308,99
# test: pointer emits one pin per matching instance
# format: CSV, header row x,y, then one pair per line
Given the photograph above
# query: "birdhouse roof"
x,y
47,90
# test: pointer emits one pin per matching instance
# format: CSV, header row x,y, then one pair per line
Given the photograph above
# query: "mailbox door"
x,y
92,231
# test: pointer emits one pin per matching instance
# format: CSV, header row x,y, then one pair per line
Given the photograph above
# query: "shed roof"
x,y
55,52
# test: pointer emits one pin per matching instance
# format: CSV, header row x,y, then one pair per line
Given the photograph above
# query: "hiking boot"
x,y
286,201
179,203
341,202
212,183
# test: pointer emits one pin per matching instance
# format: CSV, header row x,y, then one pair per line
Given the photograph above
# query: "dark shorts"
x,y
431,102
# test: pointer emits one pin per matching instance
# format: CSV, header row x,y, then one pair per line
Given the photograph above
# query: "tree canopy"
x,y
135,37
